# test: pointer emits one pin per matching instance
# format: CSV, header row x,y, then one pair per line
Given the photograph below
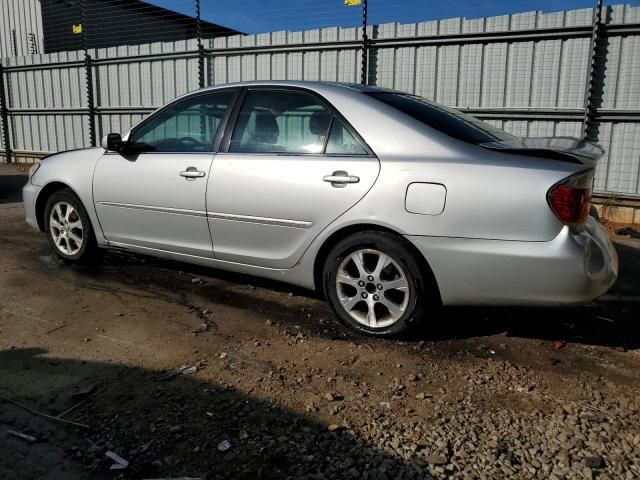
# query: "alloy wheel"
x,y
372,288
66,228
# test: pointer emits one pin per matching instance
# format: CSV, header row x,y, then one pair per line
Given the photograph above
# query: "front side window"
x,y
188,126
280,122
447,120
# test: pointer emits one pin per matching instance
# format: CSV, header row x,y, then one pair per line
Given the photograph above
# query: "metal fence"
x,y
535,74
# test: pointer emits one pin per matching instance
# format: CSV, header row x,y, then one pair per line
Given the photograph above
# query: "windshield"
x,y
447,120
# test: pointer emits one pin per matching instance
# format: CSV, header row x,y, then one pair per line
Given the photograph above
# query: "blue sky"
x,y
254,16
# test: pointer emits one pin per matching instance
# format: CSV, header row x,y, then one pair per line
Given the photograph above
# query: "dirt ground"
x,y
476,393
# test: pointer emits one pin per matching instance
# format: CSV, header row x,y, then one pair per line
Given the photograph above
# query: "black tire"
x,y
420,283
88,251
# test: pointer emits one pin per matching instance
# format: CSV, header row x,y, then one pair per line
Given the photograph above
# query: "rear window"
x,y
447,120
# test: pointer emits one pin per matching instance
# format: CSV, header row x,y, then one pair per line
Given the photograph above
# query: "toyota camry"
x,y
389,204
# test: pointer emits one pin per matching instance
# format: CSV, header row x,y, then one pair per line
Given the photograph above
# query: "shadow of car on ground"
x,y
164,428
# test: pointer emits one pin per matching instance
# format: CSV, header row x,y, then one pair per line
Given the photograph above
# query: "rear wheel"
x,y
68,228
374,283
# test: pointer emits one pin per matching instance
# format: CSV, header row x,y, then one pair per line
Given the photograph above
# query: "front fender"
x,y
74,169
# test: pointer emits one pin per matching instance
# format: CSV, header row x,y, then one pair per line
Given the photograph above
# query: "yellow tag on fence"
x,y
352,3
77,28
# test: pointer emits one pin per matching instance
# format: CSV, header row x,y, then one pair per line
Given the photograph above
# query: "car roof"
x,y
311,85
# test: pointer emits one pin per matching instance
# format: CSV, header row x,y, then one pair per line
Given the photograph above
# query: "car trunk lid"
x,y
566,149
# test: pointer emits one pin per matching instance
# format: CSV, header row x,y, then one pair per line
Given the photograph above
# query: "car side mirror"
x,y
112,142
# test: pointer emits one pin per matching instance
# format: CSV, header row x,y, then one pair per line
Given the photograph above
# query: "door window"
x,y
188,126
280,122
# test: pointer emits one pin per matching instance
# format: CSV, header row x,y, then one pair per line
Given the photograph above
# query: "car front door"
x,y
288,167
153,194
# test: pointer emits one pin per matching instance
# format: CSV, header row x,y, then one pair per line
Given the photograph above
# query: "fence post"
x,y
4,113
200,47
591,91
365,45
88,73
91,107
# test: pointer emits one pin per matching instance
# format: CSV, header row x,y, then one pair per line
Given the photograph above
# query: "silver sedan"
x,y
389,204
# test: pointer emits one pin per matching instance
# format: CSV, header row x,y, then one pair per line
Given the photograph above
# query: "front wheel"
x,y
374,283
68,228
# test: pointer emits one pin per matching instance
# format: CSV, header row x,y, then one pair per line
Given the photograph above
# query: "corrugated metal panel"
x,y
574,63
628,83
426,72
494,75
622,174
52,89
20,28
546,73
49,133
519,73
470,80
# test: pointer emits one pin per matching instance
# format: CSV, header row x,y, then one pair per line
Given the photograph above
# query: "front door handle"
x,y
340,178
191,173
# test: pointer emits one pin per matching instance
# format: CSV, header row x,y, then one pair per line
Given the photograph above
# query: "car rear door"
x,y
153,196
289,166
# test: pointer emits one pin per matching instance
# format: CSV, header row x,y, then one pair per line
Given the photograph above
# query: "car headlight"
x,y
34,168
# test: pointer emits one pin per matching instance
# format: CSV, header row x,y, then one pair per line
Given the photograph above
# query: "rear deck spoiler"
x,y
568,149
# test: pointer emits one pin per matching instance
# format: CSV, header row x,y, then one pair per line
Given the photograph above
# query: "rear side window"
x,y
280,122
342,142
447,120
291,122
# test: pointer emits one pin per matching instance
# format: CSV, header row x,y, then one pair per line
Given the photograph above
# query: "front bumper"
x,y
29,195
571,269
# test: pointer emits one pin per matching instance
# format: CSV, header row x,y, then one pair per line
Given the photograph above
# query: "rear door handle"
x,y
191,173
340,179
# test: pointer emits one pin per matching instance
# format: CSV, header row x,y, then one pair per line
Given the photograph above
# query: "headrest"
x,y
266,129
319,122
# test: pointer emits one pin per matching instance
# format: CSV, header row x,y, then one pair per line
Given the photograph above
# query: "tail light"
x,y
570,199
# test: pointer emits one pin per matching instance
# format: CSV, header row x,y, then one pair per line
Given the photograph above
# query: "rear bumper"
x,y
571,269
29,195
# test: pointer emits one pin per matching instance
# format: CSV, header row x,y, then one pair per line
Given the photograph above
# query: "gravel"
x,y
501,421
